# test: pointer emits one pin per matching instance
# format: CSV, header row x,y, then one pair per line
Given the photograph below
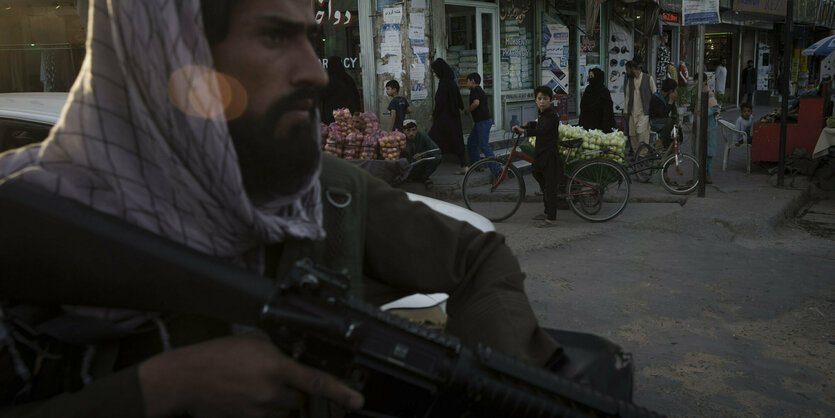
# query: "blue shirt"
x,y
400,104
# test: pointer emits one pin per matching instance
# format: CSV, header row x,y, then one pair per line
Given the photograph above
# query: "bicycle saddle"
x,y
572,143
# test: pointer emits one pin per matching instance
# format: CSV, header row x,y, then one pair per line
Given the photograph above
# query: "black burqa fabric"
x,y
340,92
596,105
446,117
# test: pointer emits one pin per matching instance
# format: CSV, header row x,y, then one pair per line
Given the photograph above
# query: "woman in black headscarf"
x,y
446,117
340,92
596,106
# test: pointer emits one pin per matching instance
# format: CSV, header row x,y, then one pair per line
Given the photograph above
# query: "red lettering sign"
x,y
669,17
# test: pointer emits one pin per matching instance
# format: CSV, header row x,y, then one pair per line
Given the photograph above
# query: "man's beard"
x,y
276,164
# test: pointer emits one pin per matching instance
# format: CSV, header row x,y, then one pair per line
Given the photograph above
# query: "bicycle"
x,y
679,171
597,189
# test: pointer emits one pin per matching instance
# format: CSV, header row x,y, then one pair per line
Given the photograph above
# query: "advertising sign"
x,y
769,7
620,51
700,12
555,67
763,67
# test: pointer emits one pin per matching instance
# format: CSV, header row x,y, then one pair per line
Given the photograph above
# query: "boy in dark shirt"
x,y
547,168
479,140
398,106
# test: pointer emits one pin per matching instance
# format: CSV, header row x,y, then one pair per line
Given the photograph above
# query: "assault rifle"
x,y
57,251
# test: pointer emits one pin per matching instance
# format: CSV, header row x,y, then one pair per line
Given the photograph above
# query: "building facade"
x,y
515,45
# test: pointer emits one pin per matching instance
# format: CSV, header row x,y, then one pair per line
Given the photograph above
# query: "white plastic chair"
x,y
729,143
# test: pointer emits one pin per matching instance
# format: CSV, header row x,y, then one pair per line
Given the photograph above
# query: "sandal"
x,y
462,170
547,224
428,184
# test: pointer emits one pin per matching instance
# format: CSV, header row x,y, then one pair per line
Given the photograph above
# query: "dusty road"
x,y
720,321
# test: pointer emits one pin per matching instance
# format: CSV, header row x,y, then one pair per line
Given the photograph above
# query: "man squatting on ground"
x,y
144,137
419,144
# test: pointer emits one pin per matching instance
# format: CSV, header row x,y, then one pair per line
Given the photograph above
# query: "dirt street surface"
x,y
724,315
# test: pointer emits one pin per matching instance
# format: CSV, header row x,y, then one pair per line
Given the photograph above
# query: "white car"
x,y
27,118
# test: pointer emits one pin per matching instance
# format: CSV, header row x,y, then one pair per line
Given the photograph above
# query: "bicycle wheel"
x,y
645,158
598,190
680,175
495,197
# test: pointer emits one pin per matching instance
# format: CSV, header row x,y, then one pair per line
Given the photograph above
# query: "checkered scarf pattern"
x,y
143,137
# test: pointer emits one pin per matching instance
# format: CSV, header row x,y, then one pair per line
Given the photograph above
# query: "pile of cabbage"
x,y
592,140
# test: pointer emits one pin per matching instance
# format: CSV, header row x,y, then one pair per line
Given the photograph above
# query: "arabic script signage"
x,y
335,17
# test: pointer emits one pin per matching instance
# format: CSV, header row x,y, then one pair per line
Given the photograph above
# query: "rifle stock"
x,y
58,251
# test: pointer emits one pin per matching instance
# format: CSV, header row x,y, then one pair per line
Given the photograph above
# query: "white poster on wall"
x,y
763,66
620,51
417,23
392,15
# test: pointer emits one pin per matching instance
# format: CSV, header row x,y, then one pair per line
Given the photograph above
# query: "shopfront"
x,y
339,36
518,66
473,46
631,26
41,47
667,47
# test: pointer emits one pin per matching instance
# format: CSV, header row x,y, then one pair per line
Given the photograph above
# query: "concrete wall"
x,y
410,63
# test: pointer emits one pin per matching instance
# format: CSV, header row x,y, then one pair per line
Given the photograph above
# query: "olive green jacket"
x,y
390,247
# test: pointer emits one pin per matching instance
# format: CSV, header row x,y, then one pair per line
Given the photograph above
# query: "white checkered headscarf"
x,y
143,137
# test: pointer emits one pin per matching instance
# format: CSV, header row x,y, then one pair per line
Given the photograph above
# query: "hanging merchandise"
x,y
619,53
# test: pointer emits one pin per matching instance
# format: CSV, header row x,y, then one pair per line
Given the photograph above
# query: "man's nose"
x,y
308,69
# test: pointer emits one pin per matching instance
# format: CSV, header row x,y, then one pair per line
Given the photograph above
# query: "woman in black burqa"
x,y
446,117
596,106
340,92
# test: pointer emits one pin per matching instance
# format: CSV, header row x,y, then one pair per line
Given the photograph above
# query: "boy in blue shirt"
x,y
398,106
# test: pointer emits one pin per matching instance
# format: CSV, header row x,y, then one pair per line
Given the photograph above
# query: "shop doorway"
x,y
472,47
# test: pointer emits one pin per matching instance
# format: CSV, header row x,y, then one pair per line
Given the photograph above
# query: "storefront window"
x,y
42,48
339,35
461,50
471,49
516,47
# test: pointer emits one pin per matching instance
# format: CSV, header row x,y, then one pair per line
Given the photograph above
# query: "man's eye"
x,y
276,36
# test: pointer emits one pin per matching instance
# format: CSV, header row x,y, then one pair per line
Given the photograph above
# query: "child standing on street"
x,y
479,140
547,168
744,122
398,106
